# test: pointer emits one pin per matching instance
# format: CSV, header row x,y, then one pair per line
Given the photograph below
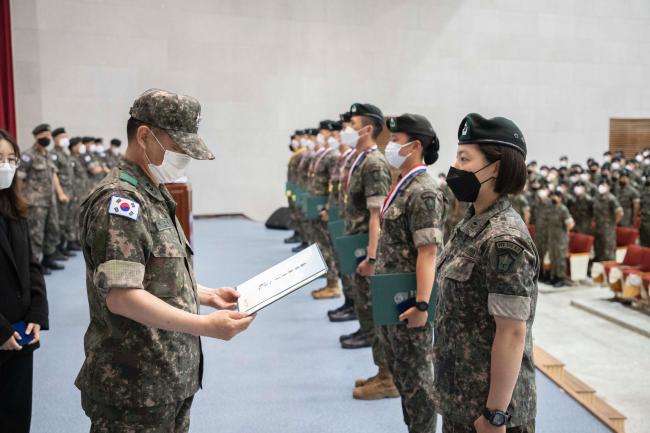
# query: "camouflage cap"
x,y
178,115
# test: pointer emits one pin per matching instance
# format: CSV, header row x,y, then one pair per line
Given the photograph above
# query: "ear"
x,y
141,135
495,169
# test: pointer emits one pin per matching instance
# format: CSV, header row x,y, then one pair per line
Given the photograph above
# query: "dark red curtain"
x,y
7,102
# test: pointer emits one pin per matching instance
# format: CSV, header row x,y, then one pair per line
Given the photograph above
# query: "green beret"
x,y
58,131
498,131
345,117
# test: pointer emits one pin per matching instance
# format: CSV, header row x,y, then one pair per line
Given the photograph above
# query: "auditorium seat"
x,y
615,273
600,270
531,230
580,246
633,277
625,236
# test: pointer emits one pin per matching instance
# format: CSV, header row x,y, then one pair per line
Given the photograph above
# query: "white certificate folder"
x,y
280,280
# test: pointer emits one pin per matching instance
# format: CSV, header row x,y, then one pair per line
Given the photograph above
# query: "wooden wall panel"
x,y
629,135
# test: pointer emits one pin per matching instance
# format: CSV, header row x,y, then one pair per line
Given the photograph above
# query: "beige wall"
x,y
261,68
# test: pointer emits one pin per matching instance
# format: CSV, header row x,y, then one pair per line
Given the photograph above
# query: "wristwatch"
x,y
422,306
371,260
496,417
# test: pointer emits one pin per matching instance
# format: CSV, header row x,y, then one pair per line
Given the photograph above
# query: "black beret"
x,y
499,131
41,128
324,124
116,142
58,131
299,132
367,110
99,140
335,126
625,172
411,124
73,141
345,117
312,131
87,139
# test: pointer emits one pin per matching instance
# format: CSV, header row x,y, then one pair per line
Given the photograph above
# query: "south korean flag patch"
x,y
124,207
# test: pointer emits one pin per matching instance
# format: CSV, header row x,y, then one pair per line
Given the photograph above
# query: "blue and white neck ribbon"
x,y
358,162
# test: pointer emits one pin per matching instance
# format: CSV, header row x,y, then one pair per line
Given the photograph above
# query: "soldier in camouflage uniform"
x,y
450,201
644,228
79,186
38,173
323,167
113,156
143,354
65,170
520,205
411,234
629,199
607,214
296,151
336,198
487,290
582,208
302,179
367,185
558,223
542,205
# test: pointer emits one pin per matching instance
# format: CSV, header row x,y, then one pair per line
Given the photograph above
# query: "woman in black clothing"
x,y
22,296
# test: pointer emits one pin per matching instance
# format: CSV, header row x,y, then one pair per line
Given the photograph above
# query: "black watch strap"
x,y
372,260
497,418
422,306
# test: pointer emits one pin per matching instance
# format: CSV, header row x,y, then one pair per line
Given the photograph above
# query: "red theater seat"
x,y
626,236
633,258
580,243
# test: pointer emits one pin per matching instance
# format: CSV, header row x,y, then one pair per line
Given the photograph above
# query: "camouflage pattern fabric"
x,y
627,196
644,228
556,222
452,427
605,209
488,269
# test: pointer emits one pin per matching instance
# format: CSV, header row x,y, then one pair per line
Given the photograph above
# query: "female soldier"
x,y
411,232
484,371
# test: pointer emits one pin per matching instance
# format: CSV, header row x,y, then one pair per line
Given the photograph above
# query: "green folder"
x,y
334,213
388,290
313,204
351,250
336,228
299,193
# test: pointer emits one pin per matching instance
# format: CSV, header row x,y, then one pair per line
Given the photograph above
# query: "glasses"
x,y
12,160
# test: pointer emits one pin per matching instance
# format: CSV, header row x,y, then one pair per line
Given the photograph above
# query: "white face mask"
x,y
393,156
91,148
584,176
639,158
64,142
333,142
99,148
310,144
579,190
172,166
295,143
7,173
82,149
544,173
542,193
349,136
602,189
615,165
320,139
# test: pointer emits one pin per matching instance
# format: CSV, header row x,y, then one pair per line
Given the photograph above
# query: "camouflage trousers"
x,y
644,233
66,220
169,418
75,207
293,215
347,281
557,251
363,307
541,244
583,224
452,427
322,237
605,243
409,356
43,229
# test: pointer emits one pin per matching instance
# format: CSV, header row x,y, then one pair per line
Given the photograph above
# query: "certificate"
x,y
280,280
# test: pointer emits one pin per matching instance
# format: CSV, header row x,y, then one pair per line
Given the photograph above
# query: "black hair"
x,y
377,126
132,126
512,168
12,203
430,147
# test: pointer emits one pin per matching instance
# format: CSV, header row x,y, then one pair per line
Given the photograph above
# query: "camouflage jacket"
x,y
414,219
369,185
129,364
488,269
605,208
335,178
294,162
37,171
64,168
557,220
627,195
319,177
302,174
80,178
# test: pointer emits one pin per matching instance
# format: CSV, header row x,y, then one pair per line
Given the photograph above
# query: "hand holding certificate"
x,y
278,281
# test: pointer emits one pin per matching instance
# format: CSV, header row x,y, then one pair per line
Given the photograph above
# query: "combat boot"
x,y
300,247
58,255
49,263
293,239
381,387
74,246
65,251
362,382
330,291
344,315
355,334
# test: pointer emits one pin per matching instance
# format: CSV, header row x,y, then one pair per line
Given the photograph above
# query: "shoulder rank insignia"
x,y
124,207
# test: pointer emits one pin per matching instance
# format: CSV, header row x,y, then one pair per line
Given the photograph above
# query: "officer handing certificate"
x,y
280,280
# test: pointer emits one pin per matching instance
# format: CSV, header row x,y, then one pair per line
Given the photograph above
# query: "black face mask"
x,y
464,184
43,141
